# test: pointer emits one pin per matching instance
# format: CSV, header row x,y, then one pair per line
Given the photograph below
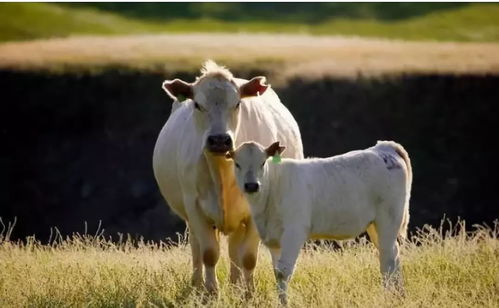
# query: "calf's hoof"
x,y
283,299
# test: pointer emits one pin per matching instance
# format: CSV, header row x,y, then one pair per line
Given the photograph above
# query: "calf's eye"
x,y
237,166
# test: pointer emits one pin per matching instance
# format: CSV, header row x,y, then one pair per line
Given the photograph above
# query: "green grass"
x,y
477,22
20,21
453,270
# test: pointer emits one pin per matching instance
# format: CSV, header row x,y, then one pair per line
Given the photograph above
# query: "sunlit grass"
x,y
280,57
67,43
21,21
24,21
456,269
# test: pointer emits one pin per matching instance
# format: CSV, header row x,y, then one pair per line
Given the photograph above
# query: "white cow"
x,y
337,198
208,118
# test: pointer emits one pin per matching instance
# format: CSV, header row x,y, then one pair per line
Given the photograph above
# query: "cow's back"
x,y
265,119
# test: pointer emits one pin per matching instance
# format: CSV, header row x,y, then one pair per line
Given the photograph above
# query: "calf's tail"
x,y
405,220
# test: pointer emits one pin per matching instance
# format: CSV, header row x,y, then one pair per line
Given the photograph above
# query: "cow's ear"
x,y
256,86
274,149
178,89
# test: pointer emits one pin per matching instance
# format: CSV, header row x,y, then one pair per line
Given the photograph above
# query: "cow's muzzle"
x,y
219,144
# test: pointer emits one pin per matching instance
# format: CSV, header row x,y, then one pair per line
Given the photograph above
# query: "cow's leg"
x,y
207,238
197,264
291,243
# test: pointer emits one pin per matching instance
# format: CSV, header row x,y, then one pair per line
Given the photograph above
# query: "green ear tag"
x,y
181,98
276,158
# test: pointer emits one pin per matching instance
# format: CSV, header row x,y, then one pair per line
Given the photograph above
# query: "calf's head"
x,y
215,99
249,160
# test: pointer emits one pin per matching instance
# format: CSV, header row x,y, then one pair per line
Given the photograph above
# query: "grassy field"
x,y
72,38
279,56
441,270
22,21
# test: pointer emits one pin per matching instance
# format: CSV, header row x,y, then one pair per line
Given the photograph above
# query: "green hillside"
x,y
478,22
470,22
21,21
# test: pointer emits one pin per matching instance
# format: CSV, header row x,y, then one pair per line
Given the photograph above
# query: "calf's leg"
x,y
243,251
291,243
249,254
235,239
387,230
373,234
275,254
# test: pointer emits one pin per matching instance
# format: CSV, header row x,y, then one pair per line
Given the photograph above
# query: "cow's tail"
x,y
399,149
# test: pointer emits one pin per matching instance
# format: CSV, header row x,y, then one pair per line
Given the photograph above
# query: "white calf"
x,y
337,198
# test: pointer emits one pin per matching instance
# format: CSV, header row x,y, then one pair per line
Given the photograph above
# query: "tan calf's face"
x,y
249,161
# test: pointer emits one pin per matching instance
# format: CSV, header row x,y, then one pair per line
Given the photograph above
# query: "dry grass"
x,y
453,270
283,56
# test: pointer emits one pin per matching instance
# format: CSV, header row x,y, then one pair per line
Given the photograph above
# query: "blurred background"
x,y
82,102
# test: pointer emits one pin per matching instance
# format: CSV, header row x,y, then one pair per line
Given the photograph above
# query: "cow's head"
x,y
215,99
249,160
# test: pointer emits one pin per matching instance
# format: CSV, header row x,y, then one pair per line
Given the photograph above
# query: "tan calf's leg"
x,y
249,255
235,239
373,235
243,250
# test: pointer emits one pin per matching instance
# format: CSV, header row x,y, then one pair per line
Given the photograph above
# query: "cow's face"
x,y
249,160
216,103
216,106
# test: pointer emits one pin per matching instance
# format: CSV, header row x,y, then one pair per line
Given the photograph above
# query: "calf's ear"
x,y
256,86
274,148
178,89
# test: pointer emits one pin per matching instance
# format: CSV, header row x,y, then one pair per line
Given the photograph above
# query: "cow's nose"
x,y
219,143
251,187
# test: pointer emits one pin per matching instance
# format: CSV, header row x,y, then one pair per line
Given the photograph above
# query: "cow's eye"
x,y
238,104
196,105
237,166
262,165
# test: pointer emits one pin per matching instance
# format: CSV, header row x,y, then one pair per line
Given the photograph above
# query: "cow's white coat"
x,y
200,187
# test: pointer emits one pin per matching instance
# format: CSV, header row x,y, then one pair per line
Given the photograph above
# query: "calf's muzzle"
x,y
251,187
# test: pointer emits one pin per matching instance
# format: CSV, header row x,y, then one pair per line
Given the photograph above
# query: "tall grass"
x,y
451,268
